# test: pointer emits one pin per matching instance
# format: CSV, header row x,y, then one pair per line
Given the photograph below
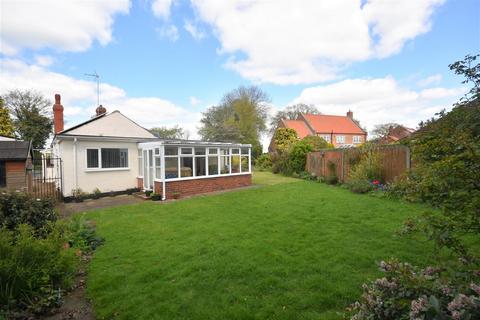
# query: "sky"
x,y
164,62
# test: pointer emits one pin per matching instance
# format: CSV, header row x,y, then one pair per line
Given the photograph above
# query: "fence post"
x,y
408,159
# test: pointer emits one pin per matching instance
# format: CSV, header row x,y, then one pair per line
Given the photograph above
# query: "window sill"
x,y
106,169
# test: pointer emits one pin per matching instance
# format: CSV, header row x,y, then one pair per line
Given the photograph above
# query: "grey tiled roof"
x,y
14,150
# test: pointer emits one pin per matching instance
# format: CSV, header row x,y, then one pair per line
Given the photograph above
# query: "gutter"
x,y
75,173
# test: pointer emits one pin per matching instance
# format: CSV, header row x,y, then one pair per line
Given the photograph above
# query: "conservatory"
x,y
175,168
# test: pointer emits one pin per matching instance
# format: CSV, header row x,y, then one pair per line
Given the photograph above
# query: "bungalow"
x,y
341,131
113,153
15,160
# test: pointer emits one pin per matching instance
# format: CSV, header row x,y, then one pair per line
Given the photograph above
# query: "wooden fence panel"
x,y
396,161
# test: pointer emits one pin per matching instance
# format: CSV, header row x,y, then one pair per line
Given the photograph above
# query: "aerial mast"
x,y
97,78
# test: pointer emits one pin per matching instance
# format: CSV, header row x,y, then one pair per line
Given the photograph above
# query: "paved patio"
x,y
67,209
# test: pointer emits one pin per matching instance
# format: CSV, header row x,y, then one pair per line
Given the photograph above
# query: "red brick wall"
x,y
140,183
205,185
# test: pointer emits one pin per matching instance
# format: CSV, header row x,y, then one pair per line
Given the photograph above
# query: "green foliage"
x,y
406,292
264,162
20,208
34,271
284,138
175,132
80,234
317,143
368,168
240,117
298,156
6,124
31,116
360,186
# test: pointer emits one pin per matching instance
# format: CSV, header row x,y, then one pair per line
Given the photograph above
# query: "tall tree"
x,y
240,117
291,113
175,132
31,115
6,125
382,130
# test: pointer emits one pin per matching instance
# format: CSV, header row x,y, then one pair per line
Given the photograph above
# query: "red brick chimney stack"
x,y
350,114
57,115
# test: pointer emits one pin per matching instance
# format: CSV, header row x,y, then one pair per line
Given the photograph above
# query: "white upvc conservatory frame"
x,y
161,144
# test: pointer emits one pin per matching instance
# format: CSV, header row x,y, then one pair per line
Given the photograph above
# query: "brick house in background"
x,y
15,159
395,134
341,131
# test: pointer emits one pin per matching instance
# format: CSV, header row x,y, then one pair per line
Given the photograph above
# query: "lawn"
x,y
288,249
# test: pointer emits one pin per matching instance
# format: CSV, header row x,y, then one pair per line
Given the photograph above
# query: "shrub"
x,y
96,193
264,162
317,143
33,271
406,292
360,186
80,234
284,138
297,157
21,208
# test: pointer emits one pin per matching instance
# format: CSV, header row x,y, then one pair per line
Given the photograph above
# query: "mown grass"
x,y
290,249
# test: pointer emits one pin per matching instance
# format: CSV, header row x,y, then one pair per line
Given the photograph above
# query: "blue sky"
x,y
163,62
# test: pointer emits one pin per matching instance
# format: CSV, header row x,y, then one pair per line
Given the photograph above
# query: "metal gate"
x,y
45,180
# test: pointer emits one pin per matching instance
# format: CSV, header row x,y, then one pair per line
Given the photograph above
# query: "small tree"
x,y
284,138
31,115
174,132
317,142
6,125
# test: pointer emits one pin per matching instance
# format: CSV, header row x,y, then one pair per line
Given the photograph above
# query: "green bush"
x,y
406,292
317,143
263,162
297,157
20,208
81,234
360,186
34,271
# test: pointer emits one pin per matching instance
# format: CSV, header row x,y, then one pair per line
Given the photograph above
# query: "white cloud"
x,y
79,97
194,101
162,8
433,79
287,42
169,32
61,25
194,31
375,101
43,61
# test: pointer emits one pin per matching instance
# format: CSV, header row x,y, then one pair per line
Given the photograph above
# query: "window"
x,y
140,163
107,158
212,151
235,160
200,166
212,165
171,167
340,139
245,165
357,139
92,158
171,151
224,161
158,164
326,137
186,167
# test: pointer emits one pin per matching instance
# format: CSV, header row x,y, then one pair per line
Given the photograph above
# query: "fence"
x,y
396,160
45,178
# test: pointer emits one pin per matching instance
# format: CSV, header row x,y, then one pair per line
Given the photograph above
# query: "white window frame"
x,y
342,140
326,137
99,168
207,155
357,139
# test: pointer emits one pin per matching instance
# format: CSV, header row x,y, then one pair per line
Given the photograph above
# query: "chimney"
x,y
57,115
350,114
100,110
